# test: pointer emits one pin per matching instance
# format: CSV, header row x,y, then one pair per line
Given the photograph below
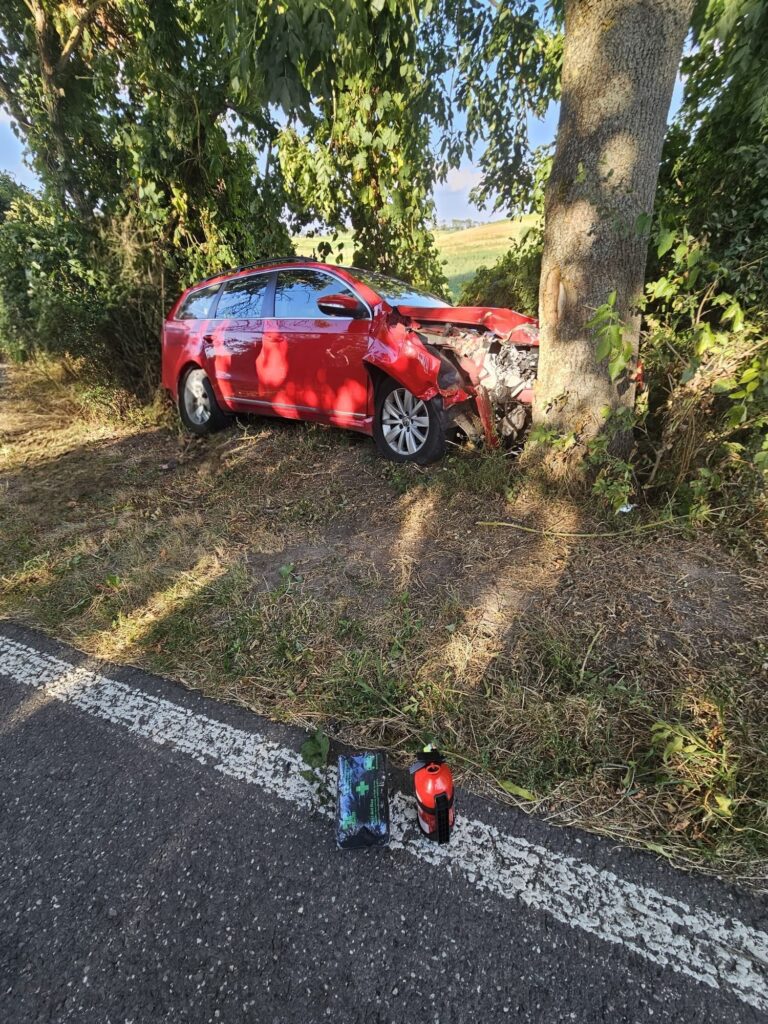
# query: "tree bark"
x,y
620,60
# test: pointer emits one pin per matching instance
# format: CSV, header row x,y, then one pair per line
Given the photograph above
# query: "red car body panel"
x,y
500,321
323,367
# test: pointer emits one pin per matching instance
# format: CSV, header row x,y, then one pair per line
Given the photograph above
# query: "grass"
x,y
461,251
620,682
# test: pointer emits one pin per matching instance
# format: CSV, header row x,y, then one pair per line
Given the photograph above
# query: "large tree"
x,y
620,60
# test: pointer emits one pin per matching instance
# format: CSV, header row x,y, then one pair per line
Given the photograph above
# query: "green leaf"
x,y
666,241
515,790
661,289
737,415
314,751
603,348
616,366
721,387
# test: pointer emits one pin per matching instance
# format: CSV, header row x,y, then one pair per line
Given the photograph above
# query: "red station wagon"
x,y
304,340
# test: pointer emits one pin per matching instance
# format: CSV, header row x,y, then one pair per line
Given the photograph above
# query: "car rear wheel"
x,y
407,428
200,412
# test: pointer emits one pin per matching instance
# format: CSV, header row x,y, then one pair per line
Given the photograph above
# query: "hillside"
x,y
462,251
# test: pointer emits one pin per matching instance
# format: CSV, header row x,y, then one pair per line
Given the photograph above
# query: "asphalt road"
x,y
161,859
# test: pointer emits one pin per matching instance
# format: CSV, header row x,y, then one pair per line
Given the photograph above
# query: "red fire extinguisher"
x,y
433,789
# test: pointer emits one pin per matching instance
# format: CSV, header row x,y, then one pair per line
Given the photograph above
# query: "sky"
x,y
451,197
11,153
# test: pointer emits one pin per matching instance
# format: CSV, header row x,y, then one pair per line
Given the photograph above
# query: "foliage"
x,y
460,252
707,362
507,69
314,751
612,344
149,175
705,439
701,768
158,157
514,279
93,298
9,190
701,423
365,158
512,282
613,478
173,138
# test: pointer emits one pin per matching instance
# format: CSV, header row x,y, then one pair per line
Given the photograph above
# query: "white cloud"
x,y
5,117
462,179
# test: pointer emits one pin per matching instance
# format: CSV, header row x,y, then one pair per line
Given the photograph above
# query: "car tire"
x,y
407,428
199,411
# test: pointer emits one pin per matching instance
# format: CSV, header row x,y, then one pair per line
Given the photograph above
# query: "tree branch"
x,y
77,32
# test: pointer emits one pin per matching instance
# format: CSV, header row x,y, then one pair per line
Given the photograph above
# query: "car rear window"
x,y
197,304
243,298
297,293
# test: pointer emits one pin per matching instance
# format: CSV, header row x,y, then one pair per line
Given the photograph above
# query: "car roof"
x,y
346,274
288,262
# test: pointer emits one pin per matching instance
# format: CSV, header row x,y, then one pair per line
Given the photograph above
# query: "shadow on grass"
x,y
288,569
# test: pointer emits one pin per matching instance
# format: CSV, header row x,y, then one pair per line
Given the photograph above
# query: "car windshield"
x,y
397,293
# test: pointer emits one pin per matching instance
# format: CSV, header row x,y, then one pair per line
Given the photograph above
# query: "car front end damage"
x,y
481,361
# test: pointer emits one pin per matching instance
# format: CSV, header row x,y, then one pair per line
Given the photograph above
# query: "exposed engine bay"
x,y
501,372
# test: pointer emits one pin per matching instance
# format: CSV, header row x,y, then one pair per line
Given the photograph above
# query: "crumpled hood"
x,y
503,322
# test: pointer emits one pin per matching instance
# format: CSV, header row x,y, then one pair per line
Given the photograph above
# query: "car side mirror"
x,y
341,305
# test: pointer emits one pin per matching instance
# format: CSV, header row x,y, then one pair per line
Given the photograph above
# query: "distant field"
x,y
462,251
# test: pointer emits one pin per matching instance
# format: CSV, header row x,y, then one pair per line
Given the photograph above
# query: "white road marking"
x,y
721,952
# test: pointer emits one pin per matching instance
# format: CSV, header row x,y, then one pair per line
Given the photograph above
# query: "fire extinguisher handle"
x,y
442,811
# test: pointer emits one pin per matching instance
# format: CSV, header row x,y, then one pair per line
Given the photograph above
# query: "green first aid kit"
x,y
362,806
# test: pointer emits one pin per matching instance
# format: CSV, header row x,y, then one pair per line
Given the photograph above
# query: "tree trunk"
x,y
619,65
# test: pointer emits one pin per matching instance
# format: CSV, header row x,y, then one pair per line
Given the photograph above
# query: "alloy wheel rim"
x,y
404,422
196,401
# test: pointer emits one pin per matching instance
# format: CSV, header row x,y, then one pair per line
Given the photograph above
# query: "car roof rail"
x,y
260,263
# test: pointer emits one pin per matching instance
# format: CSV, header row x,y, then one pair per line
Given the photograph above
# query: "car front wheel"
x,y
200,412
407,428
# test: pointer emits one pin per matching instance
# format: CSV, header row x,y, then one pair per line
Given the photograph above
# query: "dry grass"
x,y
286,568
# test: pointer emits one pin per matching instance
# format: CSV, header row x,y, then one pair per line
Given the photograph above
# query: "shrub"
x,y
512,282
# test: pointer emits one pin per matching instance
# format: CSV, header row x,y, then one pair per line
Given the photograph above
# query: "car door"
x,y
234,335
311,364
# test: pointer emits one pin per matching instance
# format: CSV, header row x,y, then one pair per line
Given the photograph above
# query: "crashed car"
x,y
303,340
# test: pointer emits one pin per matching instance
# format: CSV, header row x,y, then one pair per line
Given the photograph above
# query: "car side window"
x,y
197,305
297,293
244,298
